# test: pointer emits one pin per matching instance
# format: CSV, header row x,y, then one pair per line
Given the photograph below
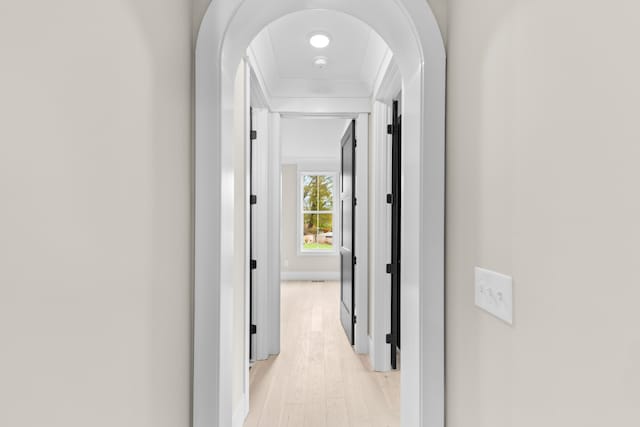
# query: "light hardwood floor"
x,y
317,379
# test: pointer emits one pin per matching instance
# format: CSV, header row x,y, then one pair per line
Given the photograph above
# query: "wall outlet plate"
x,y
494,293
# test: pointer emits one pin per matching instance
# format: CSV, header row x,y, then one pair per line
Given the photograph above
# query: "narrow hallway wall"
x,y
95,216
542,184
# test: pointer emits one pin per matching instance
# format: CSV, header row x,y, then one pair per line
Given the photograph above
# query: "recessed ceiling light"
x,y
320,61
319,40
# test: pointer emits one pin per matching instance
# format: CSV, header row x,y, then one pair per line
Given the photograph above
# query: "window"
x,y
317,197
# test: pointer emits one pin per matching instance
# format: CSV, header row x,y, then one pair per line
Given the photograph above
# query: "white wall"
x,y
95,213
240,258
95,179
439,8
542,184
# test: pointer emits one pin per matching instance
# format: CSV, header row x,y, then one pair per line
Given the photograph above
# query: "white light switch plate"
x,y
494,293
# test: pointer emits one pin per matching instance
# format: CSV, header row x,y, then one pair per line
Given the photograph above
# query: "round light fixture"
x,y
320,61
319,40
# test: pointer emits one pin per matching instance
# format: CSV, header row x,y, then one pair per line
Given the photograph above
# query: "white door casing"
x,y
273,233
262,244
411,31
380,215
380,249
361,269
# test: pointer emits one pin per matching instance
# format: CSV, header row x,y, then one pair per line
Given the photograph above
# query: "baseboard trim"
x,y
310,275
372,353
241,412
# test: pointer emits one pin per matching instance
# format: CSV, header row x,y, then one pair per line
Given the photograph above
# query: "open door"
x,y
394,268
347,224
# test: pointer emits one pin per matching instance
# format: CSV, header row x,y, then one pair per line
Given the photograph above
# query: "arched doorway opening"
x,y
411,31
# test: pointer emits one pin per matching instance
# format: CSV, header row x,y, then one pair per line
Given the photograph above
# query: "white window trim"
x,y
336,201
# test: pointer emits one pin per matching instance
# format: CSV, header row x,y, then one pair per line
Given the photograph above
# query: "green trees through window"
x,y
317,212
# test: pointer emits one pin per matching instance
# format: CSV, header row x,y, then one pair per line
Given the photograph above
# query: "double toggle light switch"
x,y
494,293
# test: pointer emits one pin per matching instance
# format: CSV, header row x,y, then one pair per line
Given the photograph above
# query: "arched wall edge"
x,y
410,29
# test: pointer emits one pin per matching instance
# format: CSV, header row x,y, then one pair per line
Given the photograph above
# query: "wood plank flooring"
x,y
317,379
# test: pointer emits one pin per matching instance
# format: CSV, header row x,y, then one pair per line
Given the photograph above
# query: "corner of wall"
x,y
241,411
439,9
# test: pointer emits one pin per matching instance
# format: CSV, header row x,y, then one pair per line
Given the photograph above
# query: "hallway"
x,y
317,380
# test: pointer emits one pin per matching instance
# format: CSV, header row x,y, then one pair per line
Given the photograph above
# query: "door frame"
x,y
411,31
361,269
380,215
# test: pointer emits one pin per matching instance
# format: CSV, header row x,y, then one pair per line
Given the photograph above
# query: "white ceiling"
x,y
283,58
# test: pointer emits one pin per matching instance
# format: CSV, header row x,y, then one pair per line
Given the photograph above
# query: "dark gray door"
x,y
347,221
394,267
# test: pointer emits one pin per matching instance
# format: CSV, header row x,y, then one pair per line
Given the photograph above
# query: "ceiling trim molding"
x,y
258,98
319,116
379,61
389,82
321,106
304,105
312,164
257,78
264,60
314,88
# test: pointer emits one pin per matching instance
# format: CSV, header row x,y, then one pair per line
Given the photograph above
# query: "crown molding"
x,y
314,95
321,106
389,81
